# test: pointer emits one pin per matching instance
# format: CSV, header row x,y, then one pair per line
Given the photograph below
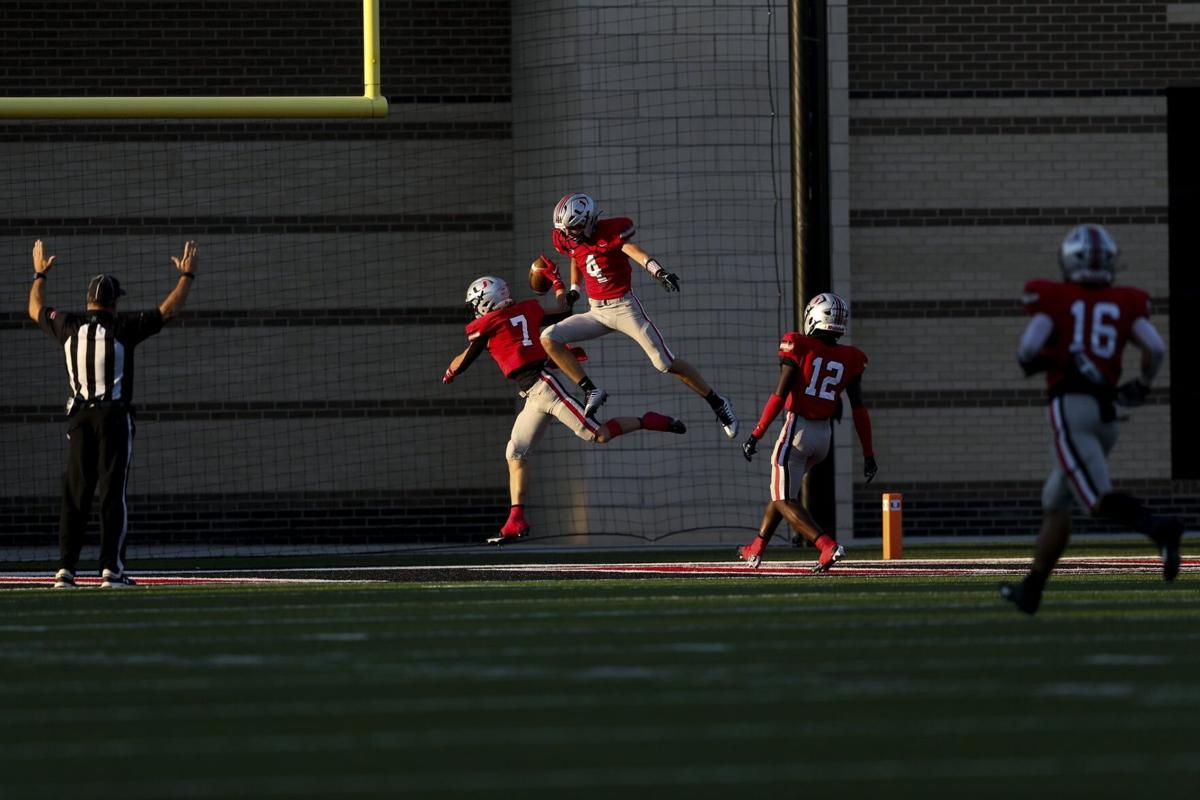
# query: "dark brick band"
x,y
981,48
1006,126
443,516
1034,397
248,226
990,508
431,51
1056,216
944,309
289,409
292,317
390,130
985,94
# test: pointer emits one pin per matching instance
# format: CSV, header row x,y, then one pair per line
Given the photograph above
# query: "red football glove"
x,y
449,376
548,268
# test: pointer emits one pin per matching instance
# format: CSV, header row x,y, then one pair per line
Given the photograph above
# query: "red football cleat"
x,y
513,529
752,553
829,556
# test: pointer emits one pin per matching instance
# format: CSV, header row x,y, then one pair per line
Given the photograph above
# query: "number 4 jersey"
x,y
1094,319
826,370
512,335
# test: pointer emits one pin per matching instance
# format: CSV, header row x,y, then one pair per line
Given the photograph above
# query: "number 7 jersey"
x,y
825,371
512,335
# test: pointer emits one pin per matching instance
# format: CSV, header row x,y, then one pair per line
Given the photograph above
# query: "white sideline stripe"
x,y
181,578
950,567
898,565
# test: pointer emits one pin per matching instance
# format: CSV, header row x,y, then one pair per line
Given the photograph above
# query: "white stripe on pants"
x,y
804,440
625,315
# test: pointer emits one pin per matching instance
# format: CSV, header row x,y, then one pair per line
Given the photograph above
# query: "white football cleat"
x,y
729,423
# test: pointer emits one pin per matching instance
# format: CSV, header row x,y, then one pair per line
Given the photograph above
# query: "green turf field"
x,y
697,687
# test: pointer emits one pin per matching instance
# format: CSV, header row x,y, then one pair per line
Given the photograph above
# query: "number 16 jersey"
x,y
1094,319
825,371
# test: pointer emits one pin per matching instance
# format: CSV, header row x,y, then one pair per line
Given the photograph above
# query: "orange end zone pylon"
x,y
893,525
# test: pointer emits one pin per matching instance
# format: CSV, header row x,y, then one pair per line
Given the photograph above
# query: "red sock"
x,y
823,542
652,421
516,514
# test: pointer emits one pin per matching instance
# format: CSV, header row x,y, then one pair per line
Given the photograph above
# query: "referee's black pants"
x,y
98,456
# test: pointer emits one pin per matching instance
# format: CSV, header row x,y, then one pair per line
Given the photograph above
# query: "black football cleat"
x,y
676,426
1022,595
1168,534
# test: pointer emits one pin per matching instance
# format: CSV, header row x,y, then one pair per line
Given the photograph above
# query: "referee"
x,y
98,347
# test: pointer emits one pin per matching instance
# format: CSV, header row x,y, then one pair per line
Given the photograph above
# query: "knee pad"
x,y
661,364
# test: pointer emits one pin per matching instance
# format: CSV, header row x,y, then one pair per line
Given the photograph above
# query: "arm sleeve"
x,y
1034,338
775,403
770,411
1145,336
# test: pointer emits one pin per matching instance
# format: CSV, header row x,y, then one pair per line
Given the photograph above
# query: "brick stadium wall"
x,y
979,133
457,180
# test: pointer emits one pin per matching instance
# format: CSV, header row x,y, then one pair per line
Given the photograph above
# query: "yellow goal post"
x,y
370,104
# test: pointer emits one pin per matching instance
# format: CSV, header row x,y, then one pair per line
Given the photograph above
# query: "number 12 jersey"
x,y
825,371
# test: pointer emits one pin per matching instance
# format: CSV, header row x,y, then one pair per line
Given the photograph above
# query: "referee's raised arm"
x,y
37,292
173,303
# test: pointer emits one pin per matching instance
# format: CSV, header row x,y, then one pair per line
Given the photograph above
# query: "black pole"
x,y
809,90
1183,281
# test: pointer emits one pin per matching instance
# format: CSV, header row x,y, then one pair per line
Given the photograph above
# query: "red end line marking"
x,y
850,569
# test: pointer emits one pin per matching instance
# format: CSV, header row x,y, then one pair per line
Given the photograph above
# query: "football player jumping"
x,y
814,370
508,330
1077,333
602,249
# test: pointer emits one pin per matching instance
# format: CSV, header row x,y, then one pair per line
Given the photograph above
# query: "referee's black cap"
x,y
104,290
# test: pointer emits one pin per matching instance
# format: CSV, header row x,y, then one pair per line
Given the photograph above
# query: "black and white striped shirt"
x,y
98,348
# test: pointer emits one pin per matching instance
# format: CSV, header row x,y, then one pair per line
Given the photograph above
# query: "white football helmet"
x,y
576,215
826,312
487,294
1088,254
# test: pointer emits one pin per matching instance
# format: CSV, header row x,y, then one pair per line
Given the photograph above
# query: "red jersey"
x,y
825,371
1096,319
606,267
512,335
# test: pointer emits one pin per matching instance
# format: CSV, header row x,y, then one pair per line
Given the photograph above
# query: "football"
x,y
542,275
